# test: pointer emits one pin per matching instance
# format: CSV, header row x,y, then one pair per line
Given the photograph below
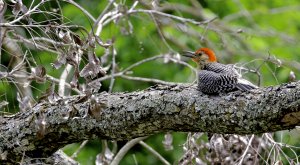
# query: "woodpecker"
x,y
214,77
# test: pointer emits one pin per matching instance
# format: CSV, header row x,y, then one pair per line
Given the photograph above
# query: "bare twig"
x,y
74,155
246,150
122,152
103,12
62,80
112,79
155,153
82,9
123,72
152,80
161,33
57,81
182,19
30,11
19,66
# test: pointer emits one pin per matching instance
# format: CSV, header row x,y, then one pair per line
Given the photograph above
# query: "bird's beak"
x,y
188,54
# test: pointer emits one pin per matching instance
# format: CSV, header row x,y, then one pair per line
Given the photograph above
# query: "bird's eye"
x,y
199,54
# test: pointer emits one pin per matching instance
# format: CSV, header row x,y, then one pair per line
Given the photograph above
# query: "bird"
x,y
214,77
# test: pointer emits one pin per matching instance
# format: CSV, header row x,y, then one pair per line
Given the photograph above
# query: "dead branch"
x,y
123,116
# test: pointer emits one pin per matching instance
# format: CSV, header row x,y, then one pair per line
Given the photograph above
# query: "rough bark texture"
x,y
123,116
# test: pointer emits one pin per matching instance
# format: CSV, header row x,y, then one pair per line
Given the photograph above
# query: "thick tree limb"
x,y
124,116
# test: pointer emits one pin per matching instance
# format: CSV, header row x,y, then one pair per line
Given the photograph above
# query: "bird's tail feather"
x,y
245,85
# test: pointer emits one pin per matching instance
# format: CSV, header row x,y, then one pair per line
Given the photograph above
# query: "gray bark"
x,y
123,116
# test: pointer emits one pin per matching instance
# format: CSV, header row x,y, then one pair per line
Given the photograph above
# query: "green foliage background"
x,y
261,34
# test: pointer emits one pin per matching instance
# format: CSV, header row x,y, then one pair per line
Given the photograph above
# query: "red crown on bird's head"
x,y
211,55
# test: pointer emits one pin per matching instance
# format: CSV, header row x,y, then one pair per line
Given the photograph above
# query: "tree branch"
x,y
123,116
